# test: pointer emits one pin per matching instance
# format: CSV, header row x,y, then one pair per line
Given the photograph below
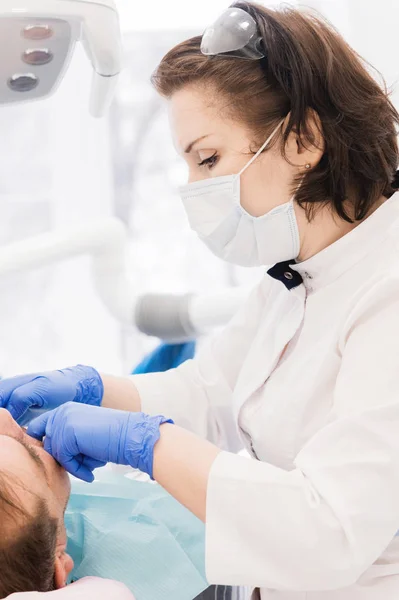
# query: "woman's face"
x,y
213,144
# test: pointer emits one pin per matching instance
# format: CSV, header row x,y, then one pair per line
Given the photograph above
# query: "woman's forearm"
x,y
182,464
120,393
182,460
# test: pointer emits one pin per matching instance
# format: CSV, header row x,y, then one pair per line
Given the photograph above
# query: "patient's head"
x,y
34,491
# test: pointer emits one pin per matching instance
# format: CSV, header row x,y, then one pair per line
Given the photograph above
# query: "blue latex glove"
x,y
82,438
46,391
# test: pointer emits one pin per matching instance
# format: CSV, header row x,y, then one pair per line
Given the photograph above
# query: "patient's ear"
x,y
62,567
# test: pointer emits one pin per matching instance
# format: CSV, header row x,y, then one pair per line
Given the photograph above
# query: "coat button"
x,y
288,275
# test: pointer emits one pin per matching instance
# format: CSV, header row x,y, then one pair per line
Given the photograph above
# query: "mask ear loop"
x,y
255,156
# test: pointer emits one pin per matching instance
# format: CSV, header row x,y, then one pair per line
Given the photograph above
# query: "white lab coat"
x,y
307,379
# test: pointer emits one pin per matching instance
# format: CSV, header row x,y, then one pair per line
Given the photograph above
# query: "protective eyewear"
x,y
235,33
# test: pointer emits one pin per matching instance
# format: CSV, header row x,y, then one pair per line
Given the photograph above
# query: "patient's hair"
x,y
27,543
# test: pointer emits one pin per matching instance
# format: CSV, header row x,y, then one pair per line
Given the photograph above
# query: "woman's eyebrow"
x,y
190,146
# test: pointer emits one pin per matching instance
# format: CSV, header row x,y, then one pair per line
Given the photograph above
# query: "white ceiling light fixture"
x,y
37,42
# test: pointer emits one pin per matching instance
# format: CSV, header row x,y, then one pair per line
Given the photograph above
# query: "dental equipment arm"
x,y
172,318
104,241
180,318
40,36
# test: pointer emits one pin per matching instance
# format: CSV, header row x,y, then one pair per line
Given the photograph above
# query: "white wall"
x,y
371,27
172,15
54,172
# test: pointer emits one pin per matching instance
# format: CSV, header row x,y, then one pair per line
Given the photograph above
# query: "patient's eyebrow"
x,y
35,457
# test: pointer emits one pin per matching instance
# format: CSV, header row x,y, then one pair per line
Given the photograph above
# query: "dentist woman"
x,y
292,154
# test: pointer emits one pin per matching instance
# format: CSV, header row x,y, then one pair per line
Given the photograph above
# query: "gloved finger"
x,y
29,415
77,469
92,463
21,399
7,386
48,445
37,427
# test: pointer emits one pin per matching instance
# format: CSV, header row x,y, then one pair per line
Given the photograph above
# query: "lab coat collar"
x,y
329,264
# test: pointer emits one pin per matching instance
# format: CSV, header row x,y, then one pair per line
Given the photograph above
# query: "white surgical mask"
x,y
215,213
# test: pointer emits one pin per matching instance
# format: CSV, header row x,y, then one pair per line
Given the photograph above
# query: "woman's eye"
x,y
209,162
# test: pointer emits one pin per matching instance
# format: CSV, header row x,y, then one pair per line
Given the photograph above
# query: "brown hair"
x,y
27,544
308,65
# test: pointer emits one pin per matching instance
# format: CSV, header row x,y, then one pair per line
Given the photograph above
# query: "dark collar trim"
x,y
283,272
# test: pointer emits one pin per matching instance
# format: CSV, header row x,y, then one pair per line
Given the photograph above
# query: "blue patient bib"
x,y
136,533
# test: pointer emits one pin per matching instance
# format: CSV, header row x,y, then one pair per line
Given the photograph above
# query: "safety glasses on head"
x,y
235,33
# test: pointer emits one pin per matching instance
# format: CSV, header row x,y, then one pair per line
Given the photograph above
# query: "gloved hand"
x,y
46,391
81,438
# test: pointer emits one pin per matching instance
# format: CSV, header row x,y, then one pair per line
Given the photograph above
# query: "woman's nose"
x,y
7,424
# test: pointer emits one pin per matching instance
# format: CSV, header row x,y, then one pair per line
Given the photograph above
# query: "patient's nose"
x,y
7,424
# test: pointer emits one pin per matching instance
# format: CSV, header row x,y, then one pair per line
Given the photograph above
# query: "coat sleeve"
x,y
197,395
323,524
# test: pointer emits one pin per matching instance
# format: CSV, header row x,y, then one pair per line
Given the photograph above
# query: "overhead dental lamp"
x,y
37,39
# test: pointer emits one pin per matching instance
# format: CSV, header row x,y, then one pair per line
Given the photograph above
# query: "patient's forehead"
x,y
22,475
39,473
